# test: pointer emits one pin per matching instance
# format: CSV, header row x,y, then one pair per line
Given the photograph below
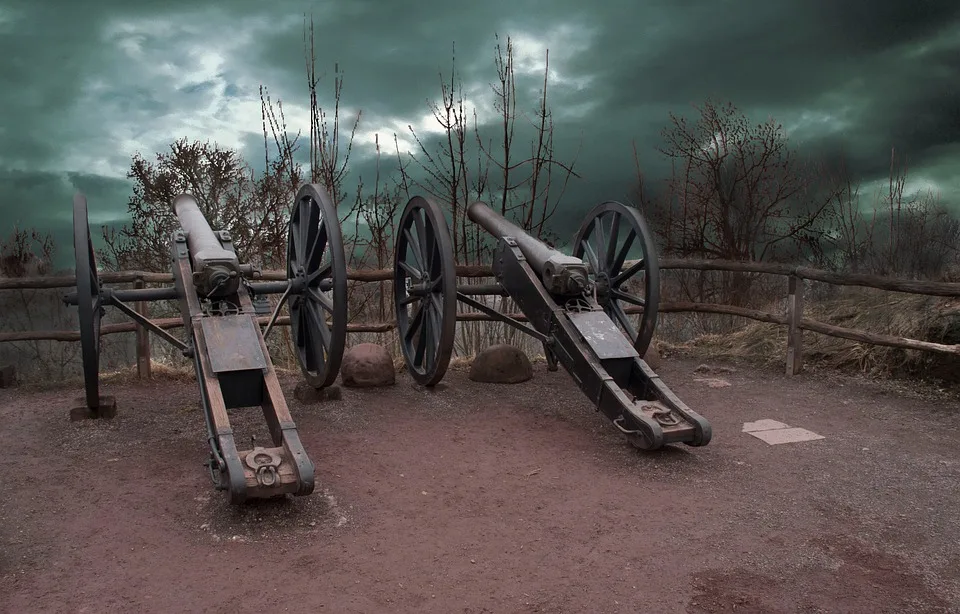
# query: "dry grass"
x,y
923,318
705,336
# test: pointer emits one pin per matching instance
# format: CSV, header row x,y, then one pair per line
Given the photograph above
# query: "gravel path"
x,y
482,498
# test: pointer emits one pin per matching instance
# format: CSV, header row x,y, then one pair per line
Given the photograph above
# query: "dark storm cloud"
x,y
774,58
392,53
870,26
50,52
886,74
762,53
44,200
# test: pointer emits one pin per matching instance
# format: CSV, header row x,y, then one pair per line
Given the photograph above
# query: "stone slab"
x,y
763,425
787,435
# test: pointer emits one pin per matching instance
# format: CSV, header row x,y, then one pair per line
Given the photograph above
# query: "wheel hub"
x,y
603,286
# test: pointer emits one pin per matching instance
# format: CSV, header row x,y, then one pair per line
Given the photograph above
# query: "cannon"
x,y
222,311
578,306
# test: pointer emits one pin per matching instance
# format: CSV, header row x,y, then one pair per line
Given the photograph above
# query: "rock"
x,y
8,376
307,394
713,382
652,357
367,365
501,364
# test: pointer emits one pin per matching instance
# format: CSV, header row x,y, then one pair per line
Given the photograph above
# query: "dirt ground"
x,y
490,498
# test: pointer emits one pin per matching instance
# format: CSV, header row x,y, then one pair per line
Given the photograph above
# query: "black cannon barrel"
x,y
561,274
201,240
216,271
535,251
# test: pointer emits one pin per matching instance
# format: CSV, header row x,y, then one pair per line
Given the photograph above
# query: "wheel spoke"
x,y
601,239
617,263
626,296
302,337
318,297
436,304
436,324
294,311
409,299
319,320
294,259
422,239
422,338
316,249
592,257
415,322
621,316
632,270
414,273
304,237
414,247
428,333
430,249
321,273
611,253
315,348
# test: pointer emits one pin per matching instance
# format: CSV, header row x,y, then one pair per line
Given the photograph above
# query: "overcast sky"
x,y
88,84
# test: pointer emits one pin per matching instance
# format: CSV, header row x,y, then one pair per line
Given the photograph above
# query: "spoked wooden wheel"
x,y
424,289
89,303
317,273
612,234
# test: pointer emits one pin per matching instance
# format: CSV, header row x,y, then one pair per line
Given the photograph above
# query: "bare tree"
x,y
26,253
850,234
737,192
228,193
524,189
328,164
744,194
922,235
30,253
446,168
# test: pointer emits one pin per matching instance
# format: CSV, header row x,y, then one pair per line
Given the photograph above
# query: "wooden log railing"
x,y
930,288
793,318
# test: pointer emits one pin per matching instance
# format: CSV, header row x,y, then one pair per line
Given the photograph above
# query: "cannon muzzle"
x,y
216,271
561,274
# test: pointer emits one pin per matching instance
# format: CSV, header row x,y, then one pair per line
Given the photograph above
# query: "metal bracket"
x,y
265,465
501,317
146,323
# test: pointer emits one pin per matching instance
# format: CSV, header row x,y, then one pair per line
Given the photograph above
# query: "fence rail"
x,y
793,318
929,288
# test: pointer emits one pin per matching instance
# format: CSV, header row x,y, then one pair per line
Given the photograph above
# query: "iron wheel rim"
x,y
606,258
89,301
315,262
434,321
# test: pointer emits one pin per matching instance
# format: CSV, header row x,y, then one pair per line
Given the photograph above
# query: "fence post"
x,y
143,338
794,333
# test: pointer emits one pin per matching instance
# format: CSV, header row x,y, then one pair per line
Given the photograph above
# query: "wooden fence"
x,y
793,318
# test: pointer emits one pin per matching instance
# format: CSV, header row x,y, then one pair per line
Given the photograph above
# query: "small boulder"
x,y
652,357
713,382
501,364
367,365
